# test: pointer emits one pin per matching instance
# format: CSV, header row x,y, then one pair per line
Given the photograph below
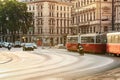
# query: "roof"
x,y
114,33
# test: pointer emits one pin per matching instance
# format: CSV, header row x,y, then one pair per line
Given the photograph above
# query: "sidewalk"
x,y
4,58
108,75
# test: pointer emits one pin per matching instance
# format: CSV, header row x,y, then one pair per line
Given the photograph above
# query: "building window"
x,y
105,28
57,7
33,8
61,8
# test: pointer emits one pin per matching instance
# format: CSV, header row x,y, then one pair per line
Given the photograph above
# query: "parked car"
x,y
17,44
22,44
0,44
60,46
28,46
34,45
5,44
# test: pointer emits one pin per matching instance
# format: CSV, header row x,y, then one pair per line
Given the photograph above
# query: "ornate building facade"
x,y
91,16
52,20
117,15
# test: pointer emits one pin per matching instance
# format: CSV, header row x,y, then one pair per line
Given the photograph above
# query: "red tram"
x,y
96,43
93,43
72,42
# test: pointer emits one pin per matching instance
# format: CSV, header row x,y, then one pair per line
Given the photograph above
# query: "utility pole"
x,y
113,15
100,16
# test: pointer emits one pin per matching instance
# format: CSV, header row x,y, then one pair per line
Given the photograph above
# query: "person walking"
x,y
80,49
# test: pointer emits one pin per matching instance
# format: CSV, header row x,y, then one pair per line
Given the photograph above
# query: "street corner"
x,y
5,58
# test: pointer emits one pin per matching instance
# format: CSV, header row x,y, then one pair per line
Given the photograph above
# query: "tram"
x,y
93,43
72,42
108,43
113,43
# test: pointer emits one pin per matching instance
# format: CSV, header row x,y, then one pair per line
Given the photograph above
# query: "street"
x,y
52,64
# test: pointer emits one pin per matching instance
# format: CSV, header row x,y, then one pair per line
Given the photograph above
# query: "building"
x,y
117,15
52,20
91,16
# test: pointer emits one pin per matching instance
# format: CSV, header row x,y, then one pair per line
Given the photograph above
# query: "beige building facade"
x,y
117,15
91,16
55,19
52,20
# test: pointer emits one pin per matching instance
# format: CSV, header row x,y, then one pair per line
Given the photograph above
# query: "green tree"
x,y
14,17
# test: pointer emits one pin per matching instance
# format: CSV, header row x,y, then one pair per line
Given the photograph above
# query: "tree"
x,y
14,17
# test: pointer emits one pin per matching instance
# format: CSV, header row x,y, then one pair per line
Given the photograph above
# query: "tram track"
x,y
49,63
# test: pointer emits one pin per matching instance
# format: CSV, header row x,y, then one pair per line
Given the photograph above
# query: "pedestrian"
x,y
80,49
9,46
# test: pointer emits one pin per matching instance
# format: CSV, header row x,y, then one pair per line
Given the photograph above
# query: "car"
x,y
34,45
5,44
60,46
0,44
28,46
17,44
22,44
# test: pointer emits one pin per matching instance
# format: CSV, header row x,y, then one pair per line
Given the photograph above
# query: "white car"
x,y
34,45
28,46
17,44
5,44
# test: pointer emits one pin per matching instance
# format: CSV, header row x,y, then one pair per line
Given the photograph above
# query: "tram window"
x,y
82,40
91,39
68,39
73,39
113,39
87,39
116,39
103,39
109,39
97,39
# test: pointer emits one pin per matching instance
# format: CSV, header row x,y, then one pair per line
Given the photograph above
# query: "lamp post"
x,y
7,19
112,15
100,16
77,22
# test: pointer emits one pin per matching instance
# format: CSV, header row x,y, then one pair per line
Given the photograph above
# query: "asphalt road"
x,y
52,64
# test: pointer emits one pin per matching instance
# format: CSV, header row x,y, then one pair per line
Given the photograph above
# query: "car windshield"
x,y
28,44
34,44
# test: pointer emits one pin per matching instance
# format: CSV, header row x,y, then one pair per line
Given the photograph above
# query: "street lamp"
x,y
77,21
100,16
113,15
